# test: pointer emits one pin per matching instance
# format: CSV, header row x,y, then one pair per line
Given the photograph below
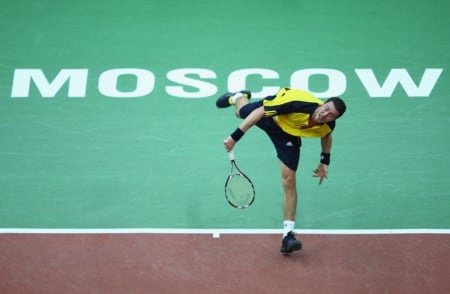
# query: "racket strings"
x,y
239,191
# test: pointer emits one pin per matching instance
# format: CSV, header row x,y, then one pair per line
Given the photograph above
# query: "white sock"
x,y
288,226
236,96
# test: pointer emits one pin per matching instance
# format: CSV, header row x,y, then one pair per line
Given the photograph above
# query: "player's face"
x,y
326,113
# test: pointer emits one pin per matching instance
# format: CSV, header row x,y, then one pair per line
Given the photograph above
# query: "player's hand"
x,y
321,172
229,143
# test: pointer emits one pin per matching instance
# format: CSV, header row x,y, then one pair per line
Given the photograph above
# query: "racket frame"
x,y
239,174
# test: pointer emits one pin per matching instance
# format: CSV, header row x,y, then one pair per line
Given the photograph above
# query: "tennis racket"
x,y
239,189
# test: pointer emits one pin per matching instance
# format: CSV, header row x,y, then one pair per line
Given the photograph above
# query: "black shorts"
x,y
287,146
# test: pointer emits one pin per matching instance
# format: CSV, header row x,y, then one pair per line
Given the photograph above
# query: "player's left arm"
x,y
322,169
326,142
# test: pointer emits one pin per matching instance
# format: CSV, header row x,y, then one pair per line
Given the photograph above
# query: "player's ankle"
x,y
237,96
288,226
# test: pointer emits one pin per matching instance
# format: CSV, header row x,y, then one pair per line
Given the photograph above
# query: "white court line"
x,y
218,232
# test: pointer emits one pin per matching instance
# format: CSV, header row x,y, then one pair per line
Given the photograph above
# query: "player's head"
x,y
339,105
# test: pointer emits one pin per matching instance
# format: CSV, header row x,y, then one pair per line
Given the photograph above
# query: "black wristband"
x,y
237,134
325,158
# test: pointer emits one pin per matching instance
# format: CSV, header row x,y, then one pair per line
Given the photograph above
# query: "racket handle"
x,y
231,154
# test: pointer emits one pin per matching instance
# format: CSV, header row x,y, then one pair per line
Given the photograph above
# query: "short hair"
x,y
339,104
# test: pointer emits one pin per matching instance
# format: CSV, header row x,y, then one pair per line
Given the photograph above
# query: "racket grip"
x,y
231,154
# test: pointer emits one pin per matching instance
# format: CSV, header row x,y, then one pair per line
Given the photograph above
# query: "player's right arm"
x,y
254,117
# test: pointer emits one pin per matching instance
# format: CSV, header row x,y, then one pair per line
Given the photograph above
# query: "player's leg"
x,y
288,152
229,98
289,155
288,178
241,101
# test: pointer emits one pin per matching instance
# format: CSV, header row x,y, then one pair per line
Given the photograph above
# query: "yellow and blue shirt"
x,y
292,108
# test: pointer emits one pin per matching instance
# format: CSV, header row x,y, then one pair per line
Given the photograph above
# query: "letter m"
x,y
77,79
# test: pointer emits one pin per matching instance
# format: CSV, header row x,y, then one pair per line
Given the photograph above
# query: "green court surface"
x,y
108,117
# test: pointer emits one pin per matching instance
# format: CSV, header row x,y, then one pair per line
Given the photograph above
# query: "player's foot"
x,y
290,244
227,99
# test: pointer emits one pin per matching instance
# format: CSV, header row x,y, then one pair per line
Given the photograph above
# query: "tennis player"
x,y
287,117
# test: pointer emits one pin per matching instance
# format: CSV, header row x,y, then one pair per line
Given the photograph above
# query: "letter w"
x,y
22,79
399,76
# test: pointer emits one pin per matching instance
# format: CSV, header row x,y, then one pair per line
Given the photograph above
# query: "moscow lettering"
x,y
200,82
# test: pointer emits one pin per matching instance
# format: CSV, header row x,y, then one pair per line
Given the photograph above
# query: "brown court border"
x,y
185,263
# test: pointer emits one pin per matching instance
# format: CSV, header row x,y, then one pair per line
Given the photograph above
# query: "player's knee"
x,y
288,181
